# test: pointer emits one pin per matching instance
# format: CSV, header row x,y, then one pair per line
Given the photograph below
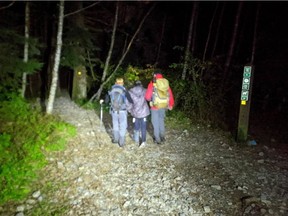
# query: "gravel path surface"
x,y
196,172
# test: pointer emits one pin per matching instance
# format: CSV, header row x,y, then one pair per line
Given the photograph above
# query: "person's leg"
x,y
143,129
162,113
115,123
122,127
155,123
136,130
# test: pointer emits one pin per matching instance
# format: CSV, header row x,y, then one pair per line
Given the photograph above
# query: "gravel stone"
x,y
198,172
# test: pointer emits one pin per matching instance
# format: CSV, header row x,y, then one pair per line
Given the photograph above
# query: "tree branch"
x,y
7,5
78,11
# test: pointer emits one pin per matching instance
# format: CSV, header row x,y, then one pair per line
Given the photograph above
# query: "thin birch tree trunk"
x,y
26,46
54,82
98,93
106,66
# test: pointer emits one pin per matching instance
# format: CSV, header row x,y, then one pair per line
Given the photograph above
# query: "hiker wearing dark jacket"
x,y
119,115
139,111
158,114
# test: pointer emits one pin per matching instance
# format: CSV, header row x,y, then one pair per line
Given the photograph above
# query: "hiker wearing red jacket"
x,y
158,112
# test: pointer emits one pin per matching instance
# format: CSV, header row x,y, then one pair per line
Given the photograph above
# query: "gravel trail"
x,y
196,172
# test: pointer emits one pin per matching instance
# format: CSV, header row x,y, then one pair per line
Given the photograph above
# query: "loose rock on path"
x,y
197,172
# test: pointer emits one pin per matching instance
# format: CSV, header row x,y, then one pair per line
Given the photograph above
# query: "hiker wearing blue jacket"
x,y
118,96
139,111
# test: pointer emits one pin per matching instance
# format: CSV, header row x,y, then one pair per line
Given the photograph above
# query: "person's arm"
x,y
128,96
149,92
171,99
107,99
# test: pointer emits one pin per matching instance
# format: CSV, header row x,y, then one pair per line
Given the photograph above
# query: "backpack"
x,y
160,97
117,98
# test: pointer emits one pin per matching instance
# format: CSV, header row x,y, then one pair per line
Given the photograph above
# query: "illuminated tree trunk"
x,y
79,88
26,46
106,66
55,75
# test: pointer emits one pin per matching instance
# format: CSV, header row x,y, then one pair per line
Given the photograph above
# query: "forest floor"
x,y
198,171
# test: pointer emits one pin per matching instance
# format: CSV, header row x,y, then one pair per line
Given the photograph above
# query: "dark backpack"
x,y
117,98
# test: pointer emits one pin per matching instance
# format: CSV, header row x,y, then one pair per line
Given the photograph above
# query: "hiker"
x,y
118,96
139,111
160,97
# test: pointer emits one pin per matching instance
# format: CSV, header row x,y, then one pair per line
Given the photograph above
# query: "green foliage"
x,y
77,44
133,74
11,58
178,120
25,136
196,94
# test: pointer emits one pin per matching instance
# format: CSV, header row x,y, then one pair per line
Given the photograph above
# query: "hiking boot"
x,y
162,139
158,142
114,141
121,141
142,144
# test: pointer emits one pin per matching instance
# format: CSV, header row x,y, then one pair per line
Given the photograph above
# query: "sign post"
x,y
243,121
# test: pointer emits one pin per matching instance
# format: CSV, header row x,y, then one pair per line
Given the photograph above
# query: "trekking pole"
x,y
101,112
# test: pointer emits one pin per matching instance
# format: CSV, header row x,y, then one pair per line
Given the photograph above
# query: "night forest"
x,y
201,47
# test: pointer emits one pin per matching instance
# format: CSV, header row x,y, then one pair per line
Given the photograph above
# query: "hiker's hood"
x,y
138,91
158,75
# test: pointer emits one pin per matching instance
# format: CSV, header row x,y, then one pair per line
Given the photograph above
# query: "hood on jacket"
x,y
158,75
138,91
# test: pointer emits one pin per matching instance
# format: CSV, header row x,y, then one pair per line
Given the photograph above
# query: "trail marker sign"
x,y
245,98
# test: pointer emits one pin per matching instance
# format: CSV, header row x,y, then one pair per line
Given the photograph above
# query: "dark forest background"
x,y
225,36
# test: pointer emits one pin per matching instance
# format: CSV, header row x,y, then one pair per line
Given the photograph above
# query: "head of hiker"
x,y
119,81
157,75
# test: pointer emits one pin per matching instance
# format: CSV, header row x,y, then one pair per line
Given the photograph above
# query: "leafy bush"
x,y
197,94
178,120
11,58
25,136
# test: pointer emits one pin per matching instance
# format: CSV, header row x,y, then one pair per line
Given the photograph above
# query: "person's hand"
x,y
101,101
170,107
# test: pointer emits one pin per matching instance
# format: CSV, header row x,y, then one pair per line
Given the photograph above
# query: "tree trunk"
x,y
189,40
106,66
232,46
79,88
98,93
210,32
26,46
55,75
255,34
194,34
218,30
160,42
